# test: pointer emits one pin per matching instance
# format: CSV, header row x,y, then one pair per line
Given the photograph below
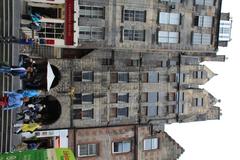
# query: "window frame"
x,y
122,143
91,12
88,148
152,145
168,37
134,35
134,15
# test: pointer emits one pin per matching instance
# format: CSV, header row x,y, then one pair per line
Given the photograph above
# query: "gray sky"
x,y
220,139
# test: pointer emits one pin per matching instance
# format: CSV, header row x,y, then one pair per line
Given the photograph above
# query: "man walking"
x,y
15,70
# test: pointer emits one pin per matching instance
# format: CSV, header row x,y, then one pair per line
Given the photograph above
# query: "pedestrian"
x,y
12,100
30,93
31,127
15,70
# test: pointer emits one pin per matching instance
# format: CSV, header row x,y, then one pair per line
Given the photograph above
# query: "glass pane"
x,y
147,144
209,2
140,16
154,143
87,98
163,37
199,2
152,97
197,38
87,76
175,18
126,146
83,149
129,15
164,18
206,39
153,77
173,37
152,110
123,97
207,21
92,149
122,112
123,77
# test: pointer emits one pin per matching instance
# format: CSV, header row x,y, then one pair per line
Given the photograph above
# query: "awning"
x,y
50,76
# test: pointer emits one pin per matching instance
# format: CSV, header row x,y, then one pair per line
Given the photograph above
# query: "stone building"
x,y
118,88
125,143
156,25
150,25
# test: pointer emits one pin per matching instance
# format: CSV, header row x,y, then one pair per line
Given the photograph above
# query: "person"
x,y
30,127
15,70
12,100
30,93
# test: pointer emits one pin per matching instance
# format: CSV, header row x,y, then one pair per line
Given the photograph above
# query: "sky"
x,y
217,139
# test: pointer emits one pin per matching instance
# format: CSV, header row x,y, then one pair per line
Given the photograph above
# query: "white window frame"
x,y
88,150
205,21
204,2
201,38
153,142
168,37
169,18
122,143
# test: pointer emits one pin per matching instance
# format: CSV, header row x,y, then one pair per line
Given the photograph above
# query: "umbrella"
x,y
50,76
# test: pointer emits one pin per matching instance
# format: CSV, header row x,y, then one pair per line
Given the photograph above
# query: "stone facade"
x,y
118,88
131,24
106,144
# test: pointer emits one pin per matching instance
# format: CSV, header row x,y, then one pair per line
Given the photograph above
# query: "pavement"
x,y
10,11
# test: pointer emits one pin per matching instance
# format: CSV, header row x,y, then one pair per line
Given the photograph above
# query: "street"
x,y
9,26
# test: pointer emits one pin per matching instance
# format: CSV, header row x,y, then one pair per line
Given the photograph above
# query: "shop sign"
x,y
69,19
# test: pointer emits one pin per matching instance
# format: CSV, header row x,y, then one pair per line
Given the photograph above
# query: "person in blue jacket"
x,y
12,100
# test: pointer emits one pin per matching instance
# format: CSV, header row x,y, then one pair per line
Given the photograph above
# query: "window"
x,y
91,12
131,15
123,77
83,98
169,18
77,98
123,97
77,76
198,102
172,1
121,147
107,61
122,112
83,76
85,150
83,114
171,109
201,38
153,77
133,62
87,98
197,74
204,2
168,37
152,97
51,30
172,96
119,98
152,110
203,21
87,76
134,35
150,144
91,33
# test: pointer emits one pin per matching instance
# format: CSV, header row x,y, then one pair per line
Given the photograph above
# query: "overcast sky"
x,y
218,139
